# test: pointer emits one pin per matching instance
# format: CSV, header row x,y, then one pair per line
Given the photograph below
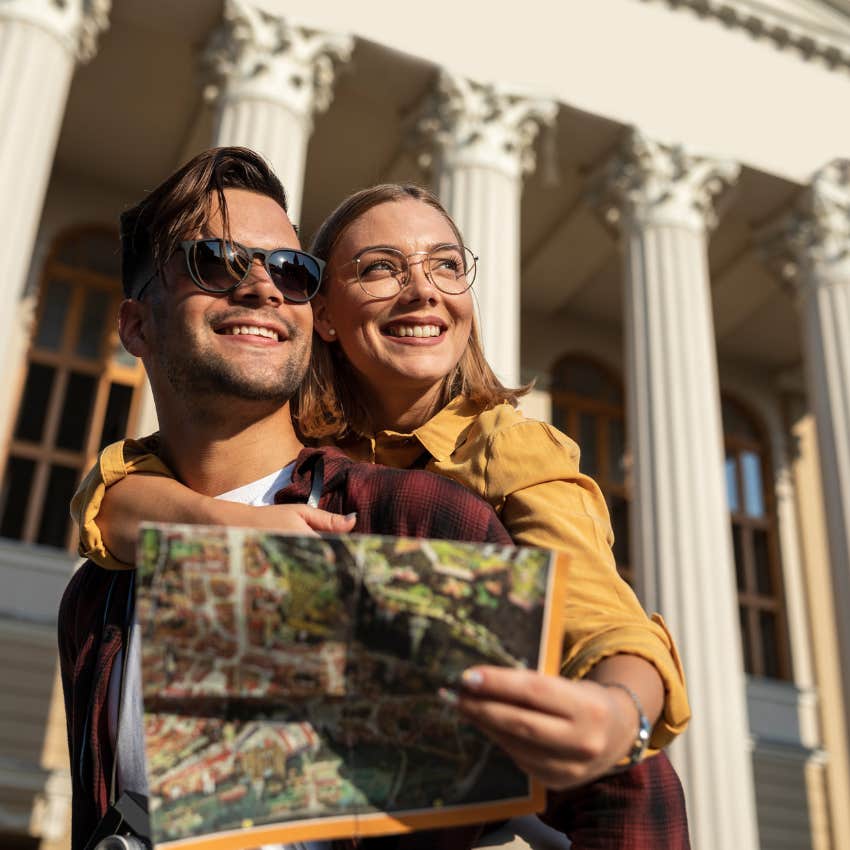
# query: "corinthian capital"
x,y
810,245
468,123
77,23
647,181
259,55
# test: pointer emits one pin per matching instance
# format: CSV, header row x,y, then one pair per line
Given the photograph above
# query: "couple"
x,y
217,308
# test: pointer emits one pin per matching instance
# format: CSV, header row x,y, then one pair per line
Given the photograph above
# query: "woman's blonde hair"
x,y
330,403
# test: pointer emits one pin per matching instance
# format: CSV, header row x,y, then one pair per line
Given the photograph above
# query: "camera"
x,y
122,842
125,826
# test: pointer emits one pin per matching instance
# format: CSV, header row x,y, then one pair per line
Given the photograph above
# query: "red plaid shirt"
x,y
642,809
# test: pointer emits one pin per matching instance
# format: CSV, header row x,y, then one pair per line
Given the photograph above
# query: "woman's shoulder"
x,y
504,423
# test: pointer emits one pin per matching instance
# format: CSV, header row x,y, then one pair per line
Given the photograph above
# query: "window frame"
x,y
751,601
65,361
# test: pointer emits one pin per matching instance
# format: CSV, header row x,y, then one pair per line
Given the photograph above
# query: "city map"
x,y
290,683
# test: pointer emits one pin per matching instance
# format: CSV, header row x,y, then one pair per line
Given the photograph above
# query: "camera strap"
x,y
126,634
318,482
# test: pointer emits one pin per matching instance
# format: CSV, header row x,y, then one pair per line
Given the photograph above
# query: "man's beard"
x,y
197,371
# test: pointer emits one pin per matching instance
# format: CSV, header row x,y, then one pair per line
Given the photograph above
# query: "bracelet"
x,y
644,731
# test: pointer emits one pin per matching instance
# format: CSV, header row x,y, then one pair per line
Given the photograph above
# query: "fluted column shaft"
x,y
485,204
40,43
811,249
268,79
662,200
480,144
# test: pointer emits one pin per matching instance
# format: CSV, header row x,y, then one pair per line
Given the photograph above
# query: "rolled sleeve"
x,y
115,462
533,479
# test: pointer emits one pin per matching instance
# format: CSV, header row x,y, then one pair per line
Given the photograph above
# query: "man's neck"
x,y
221,451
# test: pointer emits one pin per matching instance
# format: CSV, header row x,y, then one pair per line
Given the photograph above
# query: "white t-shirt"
x,y
131,773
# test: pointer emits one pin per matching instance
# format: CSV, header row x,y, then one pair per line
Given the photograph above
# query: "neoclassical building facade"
x,y
659,194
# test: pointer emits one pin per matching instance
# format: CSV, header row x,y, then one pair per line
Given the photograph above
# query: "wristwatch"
x,y
644,730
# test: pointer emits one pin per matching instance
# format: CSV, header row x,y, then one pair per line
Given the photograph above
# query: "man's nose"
x,y
258,286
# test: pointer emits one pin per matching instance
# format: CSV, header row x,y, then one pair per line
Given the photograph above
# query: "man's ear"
x,y
134,327
321,318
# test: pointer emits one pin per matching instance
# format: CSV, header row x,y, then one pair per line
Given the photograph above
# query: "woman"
x,y
398,377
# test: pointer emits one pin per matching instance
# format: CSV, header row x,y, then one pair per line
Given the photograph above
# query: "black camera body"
x,y
125,826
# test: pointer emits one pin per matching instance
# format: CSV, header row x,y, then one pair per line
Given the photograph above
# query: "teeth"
x,y
251,330
414,330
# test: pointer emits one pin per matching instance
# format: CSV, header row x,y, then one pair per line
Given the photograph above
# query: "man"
x,y
218,311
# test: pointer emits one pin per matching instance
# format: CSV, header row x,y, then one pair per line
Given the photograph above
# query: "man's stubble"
x,y
196,370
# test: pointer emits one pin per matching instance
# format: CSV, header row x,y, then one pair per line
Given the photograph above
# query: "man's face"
x,y
247,344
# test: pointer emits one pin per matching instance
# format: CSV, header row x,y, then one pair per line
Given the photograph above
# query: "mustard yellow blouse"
x,y
529,472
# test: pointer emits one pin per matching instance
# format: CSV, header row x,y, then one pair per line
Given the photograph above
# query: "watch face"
x,y
642,740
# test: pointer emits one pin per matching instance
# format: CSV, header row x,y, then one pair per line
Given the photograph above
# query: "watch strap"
x,y
644,730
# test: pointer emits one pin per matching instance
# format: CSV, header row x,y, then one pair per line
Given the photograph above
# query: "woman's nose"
x,y
418,284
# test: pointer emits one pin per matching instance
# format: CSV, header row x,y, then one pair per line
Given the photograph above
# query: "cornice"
x,y
827,40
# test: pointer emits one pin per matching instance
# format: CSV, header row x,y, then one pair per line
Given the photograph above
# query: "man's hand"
x,y
563,732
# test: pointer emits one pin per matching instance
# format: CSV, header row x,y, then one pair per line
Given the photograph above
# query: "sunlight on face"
x,y
403,345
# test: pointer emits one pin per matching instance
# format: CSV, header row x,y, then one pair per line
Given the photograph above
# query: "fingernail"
x,y
448,696
472,678
352,515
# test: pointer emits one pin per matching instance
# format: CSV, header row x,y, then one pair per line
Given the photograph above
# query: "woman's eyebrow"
x,y
384,246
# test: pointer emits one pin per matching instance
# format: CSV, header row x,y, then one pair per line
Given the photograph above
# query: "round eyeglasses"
x,y
382,271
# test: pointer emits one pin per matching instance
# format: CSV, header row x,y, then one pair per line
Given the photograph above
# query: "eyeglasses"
x,y
383,272
220,266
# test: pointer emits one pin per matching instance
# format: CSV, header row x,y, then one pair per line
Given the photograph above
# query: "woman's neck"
x,y
404,412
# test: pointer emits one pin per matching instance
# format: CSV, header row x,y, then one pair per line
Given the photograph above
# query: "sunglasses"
x,y
220,266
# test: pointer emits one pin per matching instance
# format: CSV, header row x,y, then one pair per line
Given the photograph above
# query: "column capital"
x,y
466,123
76,23
258,55
651,182
809,246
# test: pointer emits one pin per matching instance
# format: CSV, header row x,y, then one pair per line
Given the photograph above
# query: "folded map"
x,y
291,683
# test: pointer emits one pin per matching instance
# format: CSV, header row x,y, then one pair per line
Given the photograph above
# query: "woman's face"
x,y
376,335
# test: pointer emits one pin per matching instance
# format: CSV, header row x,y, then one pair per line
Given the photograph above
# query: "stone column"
x,y
40,43
268,79
662,199
810,249
480,144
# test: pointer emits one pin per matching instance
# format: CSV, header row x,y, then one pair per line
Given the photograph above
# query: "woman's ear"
x,y
322,320
134,328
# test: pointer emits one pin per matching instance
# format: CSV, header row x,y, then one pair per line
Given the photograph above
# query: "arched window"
x,y
79,391
587,404
749,491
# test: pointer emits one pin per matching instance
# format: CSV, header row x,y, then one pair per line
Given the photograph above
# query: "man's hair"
x,y
182,204
330,402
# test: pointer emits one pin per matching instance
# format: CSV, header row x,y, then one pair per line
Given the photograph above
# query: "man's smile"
x,y
250,330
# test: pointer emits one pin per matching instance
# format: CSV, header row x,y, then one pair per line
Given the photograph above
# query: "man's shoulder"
x,y
422,504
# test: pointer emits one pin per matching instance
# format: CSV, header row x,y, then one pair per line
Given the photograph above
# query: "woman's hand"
x,y
560,731
283,519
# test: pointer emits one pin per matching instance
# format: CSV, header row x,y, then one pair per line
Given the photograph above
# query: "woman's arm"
x,y
154,498
129,484
533,474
